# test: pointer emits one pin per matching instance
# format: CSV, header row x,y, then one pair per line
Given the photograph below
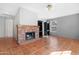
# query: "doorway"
x,y
40,28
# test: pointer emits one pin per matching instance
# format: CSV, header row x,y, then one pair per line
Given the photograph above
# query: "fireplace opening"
x,y
29,35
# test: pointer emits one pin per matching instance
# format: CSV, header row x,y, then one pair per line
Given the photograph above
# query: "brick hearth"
x,y
22,29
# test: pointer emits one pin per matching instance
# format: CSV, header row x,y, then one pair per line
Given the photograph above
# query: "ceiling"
x,y
59,9
11,8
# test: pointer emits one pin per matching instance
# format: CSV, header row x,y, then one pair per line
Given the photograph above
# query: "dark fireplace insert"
x,y
29,35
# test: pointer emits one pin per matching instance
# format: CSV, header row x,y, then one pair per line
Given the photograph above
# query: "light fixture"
x,y
49,6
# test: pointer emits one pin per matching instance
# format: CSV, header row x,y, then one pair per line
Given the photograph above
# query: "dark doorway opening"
x,y
40,29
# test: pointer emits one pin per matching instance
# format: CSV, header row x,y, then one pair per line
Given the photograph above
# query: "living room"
x,y
39,28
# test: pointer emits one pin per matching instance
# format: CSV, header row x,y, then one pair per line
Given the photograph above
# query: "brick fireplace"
x,y
23,29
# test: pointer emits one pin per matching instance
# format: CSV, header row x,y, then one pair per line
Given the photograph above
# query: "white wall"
x,y
67,26
27,17
2,27
16,21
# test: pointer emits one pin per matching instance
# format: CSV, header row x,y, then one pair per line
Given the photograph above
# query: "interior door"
x,y
8,28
